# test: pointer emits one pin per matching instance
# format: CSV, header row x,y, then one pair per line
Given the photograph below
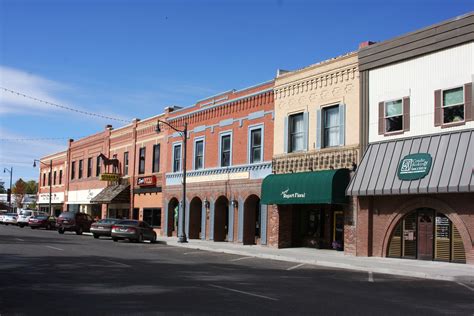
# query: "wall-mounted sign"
x,y
57,197
414,166
146,181
292,195
109,177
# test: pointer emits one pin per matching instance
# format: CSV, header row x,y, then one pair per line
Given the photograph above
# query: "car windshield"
x,y
41,217
25,213
107,221
67,215
134,223
11,214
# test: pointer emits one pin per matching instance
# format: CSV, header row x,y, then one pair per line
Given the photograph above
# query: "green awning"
x,y
319,187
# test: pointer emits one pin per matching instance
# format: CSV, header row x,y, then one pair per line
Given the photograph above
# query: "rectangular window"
x,y
60,176
49,178
125,163
199,154
141,161
256,145
226,151
97,166
73,170
80,169
156,158
54,177
177,158
331,126
296,137
89,167
393,116
44,179
115,166
453,105
152,216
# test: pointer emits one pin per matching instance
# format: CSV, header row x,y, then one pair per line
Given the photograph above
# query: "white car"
x,y
24,217
10,218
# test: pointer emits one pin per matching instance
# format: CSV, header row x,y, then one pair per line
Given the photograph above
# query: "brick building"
x,y
415,185
57,182
230,147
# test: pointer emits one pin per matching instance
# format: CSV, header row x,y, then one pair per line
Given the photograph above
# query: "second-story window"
x,y
199,154
80,169
54,177
60,177
453,105
331,126
177,158
49,178
125,163
97,166
44,179
141,161
226,150
73,170
256,153
89,167
393,116
296,137
115,166
156,158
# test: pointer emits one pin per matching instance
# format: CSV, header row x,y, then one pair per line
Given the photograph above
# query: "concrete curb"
x,y
325,263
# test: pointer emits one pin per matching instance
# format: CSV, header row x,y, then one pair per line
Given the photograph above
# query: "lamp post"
x,y
50,183
184,133
10,171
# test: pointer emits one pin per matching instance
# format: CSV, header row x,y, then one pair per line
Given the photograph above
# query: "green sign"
x,y
414,166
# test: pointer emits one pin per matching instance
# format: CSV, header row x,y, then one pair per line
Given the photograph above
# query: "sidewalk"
x,y
336,259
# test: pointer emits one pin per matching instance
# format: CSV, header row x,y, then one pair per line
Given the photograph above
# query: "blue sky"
x,y
131,59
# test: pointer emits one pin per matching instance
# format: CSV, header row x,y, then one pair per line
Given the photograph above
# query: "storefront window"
x,y
152,216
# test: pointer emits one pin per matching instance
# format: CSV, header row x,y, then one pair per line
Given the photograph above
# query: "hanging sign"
x,y
414,166
109,177
146,181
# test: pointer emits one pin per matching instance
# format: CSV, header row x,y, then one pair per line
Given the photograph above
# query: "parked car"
x,y
2,213
42,221
25,215
103,227
76,222
10,218
133,230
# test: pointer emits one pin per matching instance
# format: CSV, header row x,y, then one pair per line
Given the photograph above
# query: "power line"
x,y
35,139
63,107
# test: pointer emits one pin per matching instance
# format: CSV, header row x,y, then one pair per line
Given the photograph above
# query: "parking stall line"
x,y
466,286
117,263
192,252
371,276
55,248
242,258
244,292
295,267
19,239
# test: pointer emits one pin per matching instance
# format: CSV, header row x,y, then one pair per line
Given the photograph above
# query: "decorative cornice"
x,y
221,170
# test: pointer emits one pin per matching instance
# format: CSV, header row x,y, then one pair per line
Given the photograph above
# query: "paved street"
x,y
43,272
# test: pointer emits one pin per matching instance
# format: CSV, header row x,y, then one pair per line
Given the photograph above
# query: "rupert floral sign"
x,y
414,166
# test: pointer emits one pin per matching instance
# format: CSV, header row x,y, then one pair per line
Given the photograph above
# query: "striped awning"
x,y
451,167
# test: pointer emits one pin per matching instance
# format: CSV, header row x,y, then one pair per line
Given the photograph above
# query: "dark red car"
x,y
76,222
42,221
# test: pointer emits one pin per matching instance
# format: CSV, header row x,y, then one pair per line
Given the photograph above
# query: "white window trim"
x,y
323,123
172,156
249,141
458,104
288,136
197,139
386,117
222,134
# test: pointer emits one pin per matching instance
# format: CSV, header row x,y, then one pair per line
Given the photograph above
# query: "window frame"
x,y
44,179
323,123
140,165
98,166
221,136
73,170
80,168
252,128
125,163
463,104
54,177
89,167
174,145
290,133
195,141
153,210
385,132
154,158
60,176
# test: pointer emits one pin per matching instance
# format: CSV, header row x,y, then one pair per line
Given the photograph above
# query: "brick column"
x,y
364,227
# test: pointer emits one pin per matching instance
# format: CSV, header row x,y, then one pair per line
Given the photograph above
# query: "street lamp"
x,y
184,134
50,183
11,176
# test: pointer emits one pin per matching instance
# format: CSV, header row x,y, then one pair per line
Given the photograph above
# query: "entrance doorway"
x,y
221,219
195,209
338,230
252,221
425,234
173,210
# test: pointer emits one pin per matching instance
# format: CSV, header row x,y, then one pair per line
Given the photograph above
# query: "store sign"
x,y
109,177
146,181
414,166
57,197
292,195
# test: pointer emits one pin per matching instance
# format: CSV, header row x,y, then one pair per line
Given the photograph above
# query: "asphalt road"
x,y
44,273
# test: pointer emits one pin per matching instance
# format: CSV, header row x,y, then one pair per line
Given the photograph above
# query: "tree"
x,y
2,188
19,190
31,187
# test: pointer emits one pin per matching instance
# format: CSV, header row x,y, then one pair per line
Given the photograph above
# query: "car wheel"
x,y
153,239
140,238
21,225
33,227
79,231
114,239
61,231
96,236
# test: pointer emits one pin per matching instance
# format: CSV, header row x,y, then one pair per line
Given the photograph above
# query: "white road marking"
x,y
192,252
295,267
243,292
55,248
19,239
117,263
242,258
371,276
466,286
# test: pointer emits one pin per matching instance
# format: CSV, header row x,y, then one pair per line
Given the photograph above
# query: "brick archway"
x,y
438,205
